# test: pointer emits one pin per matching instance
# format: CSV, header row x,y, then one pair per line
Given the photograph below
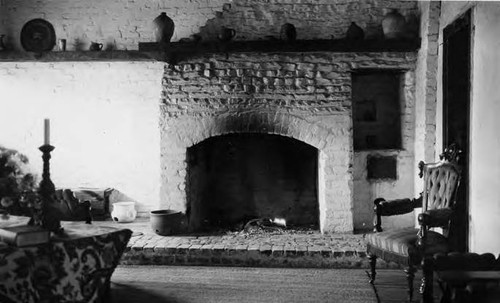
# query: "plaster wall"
x,y
485,140
105,133
484,184
365,190
118,24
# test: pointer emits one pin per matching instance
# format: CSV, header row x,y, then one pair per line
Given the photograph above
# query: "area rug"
x,y
150,284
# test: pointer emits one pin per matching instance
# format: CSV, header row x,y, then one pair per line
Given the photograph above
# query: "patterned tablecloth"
x,y
74,267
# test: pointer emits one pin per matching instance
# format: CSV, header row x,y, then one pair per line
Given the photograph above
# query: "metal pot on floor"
x,y
166,222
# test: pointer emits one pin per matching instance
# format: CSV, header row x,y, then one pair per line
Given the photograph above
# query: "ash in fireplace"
x,y
264,224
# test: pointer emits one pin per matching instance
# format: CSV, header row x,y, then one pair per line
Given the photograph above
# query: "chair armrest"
x,y
435,217
393,207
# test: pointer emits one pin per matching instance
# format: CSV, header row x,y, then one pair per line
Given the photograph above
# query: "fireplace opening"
x,y
238,177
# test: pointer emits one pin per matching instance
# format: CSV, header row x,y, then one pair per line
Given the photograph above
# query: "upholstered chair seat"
x,y
400,245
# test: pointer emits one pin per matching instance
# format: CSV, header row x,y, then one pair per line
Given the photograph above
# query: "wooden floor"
x,y
193,284
391,286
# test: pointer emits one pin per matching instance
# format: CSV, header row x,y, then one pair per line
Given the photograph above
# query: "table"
x,y
73,267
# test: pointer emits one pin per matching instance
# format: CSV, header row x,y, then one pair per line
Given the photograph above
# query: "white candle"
x,y
46,132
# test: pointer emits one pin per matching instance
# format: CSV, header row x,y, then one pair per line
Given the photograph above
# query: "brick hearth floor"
x,y
265,249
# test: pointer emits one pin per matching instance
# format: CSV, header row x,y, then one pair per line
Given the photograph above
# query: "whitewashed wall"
x,y
104,122
484,183
121,24
114,105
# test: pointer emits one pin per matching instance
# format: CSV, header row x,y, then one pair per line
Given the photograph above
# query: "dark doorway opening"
x,y
238,177
456,112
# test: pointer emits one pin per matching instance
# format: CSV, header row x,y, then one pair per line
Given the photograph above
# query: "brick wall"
x,y
303,96
323,19
122,24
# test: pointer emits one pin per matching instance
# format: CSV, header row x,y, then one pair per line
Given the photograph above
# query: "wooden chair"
x,y
409,246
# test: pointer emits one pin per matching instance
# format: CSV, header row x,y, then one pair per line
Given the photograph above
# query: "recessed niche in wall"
x,y
381,167
376,109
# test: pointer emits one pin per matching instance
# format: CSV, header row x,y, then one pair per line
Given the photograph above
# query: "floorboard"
x,y
391,286
150,284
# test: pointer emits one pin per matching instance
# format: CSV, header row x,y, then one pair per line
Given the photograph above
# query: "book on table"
x,y
11,220
24,235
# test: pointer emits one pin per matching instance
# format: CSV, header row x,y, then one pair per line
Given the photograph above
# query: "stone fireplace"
x,y
301,94
214,105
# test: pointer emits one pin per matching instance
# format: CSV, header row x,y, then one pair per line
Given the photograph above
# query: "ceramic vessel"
x,y
354,32
226,34
123,212
167,222
163,28
288,32
393,25
94,46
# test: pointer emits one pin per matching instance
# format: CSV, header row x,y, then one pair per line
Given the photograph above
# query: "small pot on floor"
x,y
166,222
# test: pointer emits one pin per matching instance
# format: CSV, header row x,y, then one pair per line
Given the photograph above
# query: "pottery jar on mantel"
x,y
163,28
393,24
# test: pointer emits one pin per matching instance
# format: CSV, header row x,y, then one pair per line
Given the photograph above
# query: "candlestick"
x,y
46,216
46,132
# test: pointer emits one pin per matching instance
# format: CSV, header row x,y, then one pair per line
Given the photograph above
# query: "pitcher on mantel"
x,y
163,29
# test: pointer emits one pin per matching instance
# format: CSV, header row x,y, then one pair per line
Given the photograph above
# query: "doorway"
x,y
456,113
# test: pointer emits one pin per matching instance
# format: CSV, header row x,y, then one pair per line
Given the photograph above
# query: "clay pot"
x,y
355,33
288,32
167,222
393,25
163,28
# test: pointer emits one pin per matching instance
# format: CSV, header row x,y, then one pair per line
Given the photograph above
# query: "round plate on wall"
x,y
38,35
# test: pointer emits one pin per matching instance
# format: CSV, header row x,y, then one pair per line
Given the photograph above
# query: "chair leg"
x,y
373,264
426,289
410,276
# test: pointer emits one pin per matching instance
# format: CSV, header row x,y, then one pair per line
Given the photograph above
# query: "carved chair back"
x,y
441,182
440,185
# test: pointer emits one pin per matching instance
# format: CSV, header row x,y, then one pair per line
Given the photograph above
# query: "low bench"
x,y
464,277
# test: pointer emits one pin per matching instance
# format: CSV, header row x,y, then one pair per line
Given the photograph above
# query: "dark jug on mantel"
x,y
288,32
226,34
163,28
355,33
